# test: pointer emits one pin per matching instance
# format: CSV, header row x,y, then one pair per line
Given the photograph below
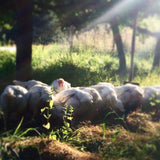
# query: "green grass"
x,y
82,67
7,63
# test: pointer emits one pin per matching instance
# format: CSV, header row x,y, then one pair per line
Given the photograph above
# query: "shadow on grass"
x,y
7,69
77,76
73,73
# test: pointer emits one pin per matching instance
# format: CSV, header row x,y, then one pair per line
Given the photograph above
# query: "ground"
x,y
136,137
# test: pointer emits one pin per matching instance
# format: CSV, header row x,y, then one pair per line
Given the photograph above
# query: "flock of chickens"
x,y
26,99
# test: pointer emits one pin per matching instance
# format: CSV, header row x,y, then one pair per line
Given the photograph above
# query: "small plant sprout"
x,y
152,100
68,116
46,112
104,130
154,103
116,134
65,133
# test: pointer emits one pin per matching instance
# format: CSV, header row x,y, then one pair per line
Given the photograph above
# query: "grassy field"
x,y
134,137
81,67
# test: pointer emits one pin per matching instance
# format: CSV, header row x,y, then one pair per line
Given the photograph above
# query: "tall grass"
x,y
86,67
82,67
93,58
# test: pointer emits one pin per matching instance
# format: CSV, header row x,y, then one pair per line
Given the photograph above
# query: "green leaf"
x,y
53,137
67,124
157,100
49,115
152,103
43,109
45,116
26,131
69,118
109,113
19,125
104,130
51,104
115,136
47,126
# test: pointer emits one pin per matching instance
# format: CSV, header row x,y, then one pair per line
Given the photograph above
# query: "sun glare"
x,y
119,9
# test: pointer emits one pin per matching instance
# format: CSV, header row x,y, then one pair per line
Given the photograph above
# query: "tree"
x,y
46,28
19,13
118,40
150,9
7,18
115,12
81,13
133,47
76,13
24,39
156,61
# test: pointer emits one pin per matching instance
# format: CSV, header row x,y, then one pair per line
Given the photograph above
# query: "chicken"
x,y
60,85
151,97
14,102
28,84
130,95
94,93
109,97
81,102
38,98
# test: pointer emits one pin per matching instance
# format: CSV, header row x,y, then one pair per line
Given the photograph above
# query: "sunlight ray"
x,y
120,9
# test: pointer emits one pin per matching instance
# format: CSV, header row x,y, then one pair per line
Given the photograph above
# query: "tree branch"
x,y
147,32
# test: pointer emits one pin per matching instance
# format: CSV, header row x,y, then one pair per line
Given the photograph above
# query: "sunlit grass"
x,y
58,61
82,67
150,80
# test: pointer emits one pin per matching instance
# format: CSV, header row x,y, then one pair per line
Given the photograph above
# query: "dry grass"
x,y
137,138
51,149
143,122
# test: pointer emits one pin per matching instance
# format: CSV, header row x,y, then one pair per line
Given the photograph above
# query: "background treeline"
x,y
42,22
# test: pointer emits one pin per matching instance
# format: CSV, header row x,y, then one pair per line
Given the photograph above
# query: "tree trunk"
x,y
24,39
156,62
133,48
71,32
118,40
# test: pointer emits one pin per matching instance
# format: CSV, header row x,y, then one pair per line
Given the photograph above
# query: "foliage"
x,y
74,15
7,63
46,112
153,106
71,13
6,153
65,132
7,68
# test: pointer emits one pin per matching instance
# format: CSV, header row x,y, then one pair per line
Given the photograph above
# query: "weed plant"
x,y
11,136
65,132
